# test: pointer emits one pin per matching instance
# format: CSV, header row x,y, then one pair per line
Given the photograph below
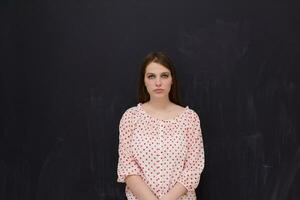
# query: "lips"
x,y
158,90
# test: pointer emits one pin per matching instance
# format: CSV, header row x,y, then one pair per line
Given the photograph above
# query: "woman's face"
x,y
158,80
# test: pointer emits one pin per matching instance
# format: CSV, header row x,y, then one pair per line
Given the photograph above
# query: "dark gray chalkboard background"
x,y
69,70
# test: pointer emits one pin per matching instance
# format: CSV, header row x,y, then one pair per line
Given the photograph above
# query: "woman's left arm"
x,y
194,164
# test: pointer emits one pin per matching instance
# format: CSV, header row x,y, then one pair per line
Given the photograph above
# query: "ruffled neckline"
x,y
173,119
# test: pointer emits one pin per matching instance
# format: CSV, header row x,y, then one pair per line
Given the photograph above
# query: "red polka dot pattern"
x,y
162,152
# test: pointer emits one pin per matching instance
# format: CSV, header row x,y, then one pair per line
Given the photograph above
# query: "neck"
x,y
159,103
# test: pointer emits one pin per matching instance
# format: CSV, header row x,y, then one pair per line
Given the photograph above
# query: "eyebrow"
x,y
160,73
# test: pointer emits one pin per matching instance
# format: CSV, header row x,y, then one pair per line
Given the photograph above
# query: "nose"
x,y
158,82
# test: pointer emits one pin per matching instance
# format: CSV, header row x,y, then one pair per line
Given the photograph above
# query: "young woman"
x,y
161,153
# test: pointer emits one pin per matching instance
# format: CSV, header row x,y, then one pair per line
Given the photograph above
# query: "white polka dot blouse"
x,y
162,152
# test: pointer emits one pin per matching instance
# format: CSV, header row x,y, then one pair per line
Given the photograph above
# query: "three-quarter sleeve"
x,y
194,162
127,165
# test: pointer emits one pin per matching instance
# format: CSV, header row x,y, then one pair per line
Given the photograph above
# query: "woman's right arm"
x,y
128,169
139,188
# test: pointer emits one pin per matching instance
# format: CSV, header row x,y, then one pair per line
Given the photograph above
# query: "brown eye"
x,y
165,76
151,76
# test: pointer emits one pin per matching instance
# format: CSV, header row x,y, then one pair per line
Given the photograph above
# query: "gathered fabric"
x,y
162,152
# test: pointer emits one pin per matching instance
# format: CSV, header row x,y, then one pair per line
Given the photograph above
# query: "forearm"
x,y
177,191
139,188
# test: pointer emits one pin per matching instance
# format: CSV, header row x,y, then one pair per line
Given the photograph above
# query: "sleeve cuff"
x,y
189,189
122,177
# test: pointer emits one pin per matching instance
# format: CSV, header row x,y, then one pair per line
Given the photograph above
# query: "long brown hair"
x,y
163,59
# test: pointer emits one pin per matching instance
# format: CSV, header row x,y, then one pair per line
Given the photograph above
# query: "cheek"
x,y
147,82
169,82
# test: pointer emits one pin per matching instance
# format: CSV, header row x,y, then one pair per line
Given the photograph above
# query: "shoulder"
x,y
192,116
193,123
130,113
179,108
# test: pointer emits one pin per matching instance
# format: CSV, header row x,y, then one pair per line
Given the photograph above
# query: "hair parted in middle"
x,y
163,59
